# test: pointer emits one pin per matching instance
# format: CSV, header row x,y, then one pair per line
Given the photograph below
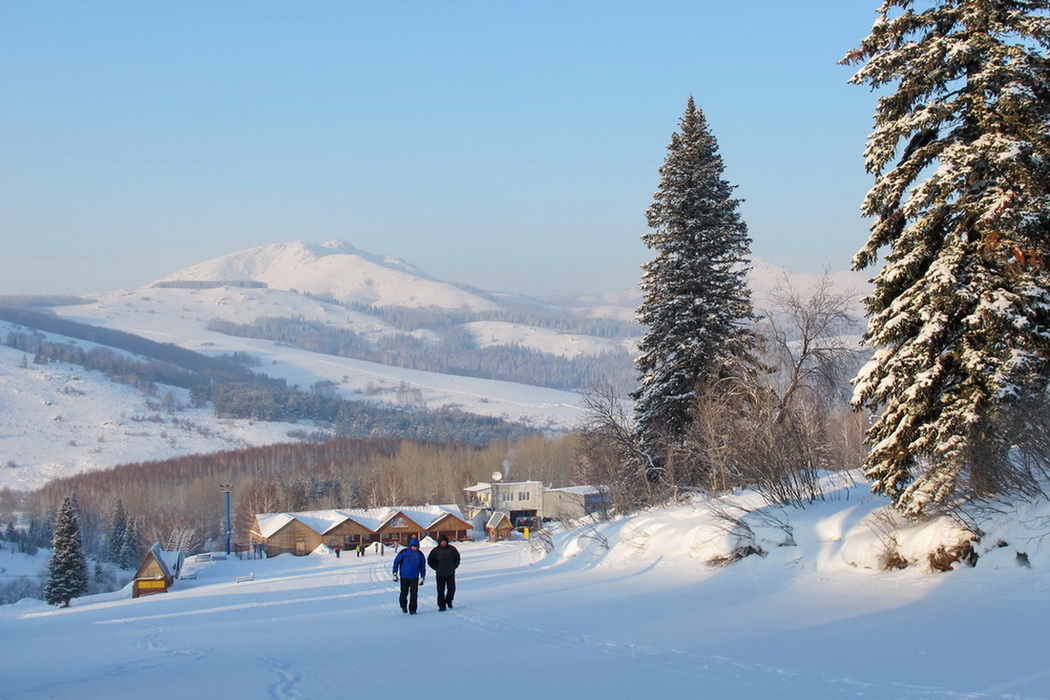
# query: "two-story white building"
x,y
530,502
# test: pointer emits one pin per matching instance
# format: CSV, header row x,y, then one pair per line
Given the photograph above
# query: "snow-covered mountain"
x,y
334,270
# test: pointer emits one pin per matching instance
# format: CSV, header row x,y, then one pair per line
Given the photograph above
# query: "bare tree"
x,y
811,338
610,453
769,427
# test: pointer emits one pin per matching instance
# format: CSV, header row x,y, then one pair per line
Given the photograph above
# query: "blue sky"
x,y
509,145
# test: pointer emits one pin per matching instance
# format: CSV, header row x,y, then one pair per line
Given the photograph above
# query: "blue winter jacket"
x,y
410,563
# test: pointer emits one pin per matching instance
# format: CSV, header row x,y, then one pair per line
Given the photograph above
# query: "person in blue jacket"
x,y
410,566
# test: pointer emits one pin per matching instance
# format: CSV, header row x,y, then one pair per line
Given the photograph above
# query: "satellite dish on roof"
x,y
496,476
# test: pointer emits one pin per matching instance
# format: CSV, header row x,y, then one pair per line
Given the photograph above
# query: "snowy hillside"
x,y
627,609
488,333
181,316
58,420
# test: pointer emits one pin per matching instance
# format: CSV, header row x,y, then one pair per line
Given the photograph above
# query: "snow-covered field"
x,y
627,609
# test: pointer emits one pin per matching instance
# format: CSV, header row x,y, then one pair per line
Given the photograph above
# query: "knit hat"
x,y
444,538
414,542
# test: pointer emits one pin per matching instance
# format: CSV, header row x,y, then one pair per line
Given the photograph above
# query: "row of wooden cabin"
x,y
303,532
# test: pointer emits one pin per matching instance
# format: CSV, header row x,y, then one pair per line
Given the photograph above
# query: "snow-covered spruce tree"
x,y
959,312
129,555
697,304
67,570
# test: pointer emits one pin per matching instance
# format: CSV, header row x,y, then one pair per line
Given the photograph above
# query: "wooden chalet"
x,y
157,572
302,533
499,527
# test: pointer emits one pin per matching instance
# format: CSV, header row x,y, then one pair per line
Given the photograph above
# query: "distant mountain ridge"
x,y
337,271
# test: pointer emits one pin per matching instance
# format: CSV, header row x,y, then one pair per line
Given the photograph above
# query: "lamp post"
x,y
226,490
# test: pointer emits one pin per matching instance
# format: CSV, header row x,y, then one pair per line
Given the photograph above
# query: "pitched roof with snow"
x,y
271,523
169,562
496,520
322,521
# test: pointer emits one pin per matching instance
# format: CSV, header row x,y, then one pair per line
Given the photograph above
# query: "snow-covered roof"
x,y
426,516
496,518
271,523
586,490
485,486
169,562
322,521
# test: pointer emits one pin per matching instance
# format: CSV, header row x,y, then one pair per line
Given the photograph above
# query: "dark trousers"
x,y
446,586
409,594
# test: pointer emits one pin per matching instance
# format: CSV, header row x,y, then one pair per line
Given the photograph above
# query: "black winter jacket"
x,y
443,560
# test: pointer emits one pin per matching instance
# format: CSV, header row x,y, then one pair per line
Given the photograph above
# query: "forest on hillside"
x,y
237,392
450,348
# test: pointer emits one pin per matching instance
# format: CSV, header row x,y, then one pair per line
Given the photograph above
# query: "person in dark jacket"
x,y
410,566
444,560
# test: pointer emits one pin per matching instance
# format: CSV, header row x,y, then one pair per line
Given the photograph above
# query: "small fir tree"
x,y
67,570
960,313
118,525
697,304
129,555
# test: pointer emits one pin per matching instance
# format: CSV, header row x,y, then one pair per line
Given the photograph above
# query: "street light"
x,y
226,489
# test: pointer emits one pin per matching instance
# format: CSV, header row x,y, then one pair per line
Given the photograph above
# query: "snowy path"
x,y
318,627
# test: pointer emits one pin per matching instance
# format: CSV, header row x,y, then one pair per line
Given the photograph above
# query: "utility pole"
x,y
226,490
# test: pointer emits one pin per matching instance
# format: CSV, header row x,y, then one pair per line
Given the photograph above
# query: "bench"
x,y
245,579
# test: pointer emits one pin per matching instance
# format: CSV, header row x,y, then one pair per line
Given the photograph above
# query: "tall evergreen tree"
x,y
67,570
959,313
696,305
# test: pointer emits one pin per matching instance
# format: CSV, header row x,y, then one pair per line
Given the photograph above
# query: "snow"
x,y
623,609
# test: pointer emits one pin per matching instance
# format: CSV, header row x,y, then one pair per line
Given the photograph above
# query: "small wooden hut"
x,y
157,572
499,527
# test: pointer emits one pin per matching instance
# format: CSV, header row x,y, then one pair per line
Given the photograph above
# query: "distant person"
x,y
337,550
410,566
444,560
